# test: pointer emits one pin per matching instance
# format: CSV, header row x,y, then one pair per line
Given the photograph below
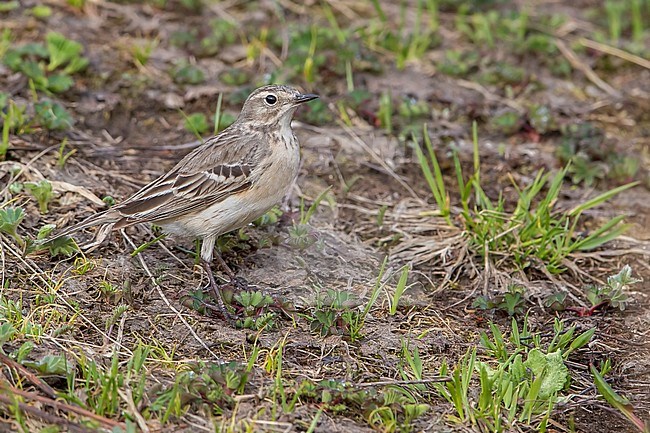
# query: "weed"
x,y
83,265
522,388
224,32
143,50
433,175
184,72
385,112
42,192
615,11
612,294
399,290
206,385
62,155
63,59
13,120
197,124
41,11
512,302
63,246
52,115
77,4
459,63
327,318
616,400
527,233
336,310
221,120
10,219
63,51
254,304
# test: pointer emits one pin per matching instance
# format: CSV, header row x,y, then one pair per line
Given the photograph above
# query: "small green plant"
x,y
83,265
512,302
613,294
327,318
52,116
110,291
186,73
77,4
206,385
42,192
616,400
336,311
197,123
142,51
63,246
63,57
520,383
10,219
399,290
528,233
253,306
61,155
385,112
64,52
41,11
14,120
301,235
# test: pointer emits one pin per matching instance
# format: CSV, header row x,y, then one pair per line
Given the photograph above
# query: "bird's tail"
x,y
106,220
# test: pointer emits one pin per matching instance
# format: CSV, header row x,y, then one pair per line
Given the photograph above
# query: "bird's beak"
x,y
301,98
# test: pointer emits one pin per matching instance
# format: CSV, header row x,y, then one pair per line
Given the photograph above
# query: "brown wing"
x,y
224,165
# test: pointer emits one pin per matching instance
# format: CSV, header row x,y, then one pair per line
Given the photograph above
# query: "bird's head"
x,y
273,105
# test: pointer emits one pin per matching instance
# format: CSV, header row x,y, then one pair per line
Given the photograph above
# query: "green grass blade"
x,y
600,199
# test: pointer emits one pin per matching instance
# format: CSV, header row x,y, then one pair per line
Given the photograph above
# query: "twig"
x,y
38,273
164,298
377,158
47,389
585,69
403,382
127,396
49,418
607,49
59,405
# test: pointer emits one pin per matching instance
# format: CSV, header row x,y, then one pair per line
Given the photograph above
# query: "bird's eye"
x,y
271,99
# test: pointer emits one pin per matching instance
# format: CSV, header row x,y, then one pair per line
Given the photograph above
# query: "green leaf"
x,y
7,6
45,231
50,364
52,115
600,199
59,83
64,246
197,123
616,400
7,331
551,367
61,50
580,341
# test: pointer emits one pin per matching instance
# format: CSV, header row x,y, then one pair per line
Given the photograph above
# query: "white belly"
x,y
240,209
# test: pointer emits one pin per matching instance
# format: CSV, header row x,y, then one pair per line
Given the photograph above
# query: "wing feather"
x,y
225,165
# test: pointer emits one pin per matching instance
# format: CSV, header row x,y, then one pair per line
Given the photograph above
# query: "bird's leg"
x,y
225,267
215,288
207,252
234,281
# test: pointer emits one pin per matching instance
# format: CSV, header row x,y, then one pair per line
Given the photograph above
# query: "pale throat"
x,y
285,128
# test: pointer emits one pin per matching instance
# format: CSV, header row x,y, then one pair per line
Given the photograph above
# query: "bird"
x,y
224,184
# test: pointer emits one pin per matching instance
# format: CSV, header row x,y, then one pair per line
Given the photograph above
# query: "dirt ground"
x,y
129,118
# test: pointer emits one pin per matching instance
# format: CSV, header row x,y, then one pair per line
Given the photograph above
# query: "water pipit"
x,y
224,184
